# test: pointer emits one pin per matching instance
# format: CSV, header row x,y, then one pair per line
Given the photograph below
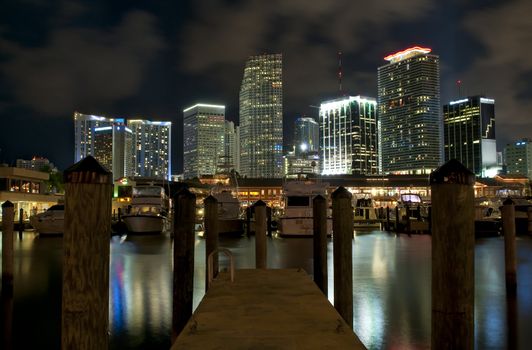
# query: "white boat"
x,y
365,216
51,222
148,212
229,218
297,219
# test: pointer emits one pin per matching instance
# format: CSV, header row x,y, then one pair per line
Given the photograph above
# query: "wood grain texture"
x,y
510,257
85,300
343,255
319,208
8,218
453,243
183,278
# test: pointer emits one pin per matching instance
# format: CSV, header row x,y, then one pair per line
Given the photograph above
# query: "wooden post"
x,y
510,260
343,253
119,214
184,239
8,225
397,219
85,303
260,235
430,219
388,219
453,244
407,222
529,220
319,209
211,235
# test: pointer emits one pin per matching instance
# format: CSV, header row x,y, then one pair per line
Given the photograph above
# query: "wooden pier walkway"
x,y
266,309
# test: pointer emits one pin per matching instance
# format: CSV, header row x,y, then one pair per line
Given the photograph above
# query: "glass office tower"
x,y
409,112
261,117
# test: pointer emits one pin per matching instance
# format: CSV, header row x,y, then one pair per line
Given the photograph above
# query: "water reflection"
x,y
392,289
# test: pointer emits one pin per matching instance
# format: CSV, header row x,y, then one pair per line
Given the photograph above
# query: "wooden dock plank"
x,y
266,309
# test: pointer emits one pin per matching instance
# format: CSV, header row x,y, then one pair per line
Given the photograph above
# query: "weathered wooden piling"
x,y
260,235
453,243
211,235
343,253
85,299
319,208
184,239
8,218
510,260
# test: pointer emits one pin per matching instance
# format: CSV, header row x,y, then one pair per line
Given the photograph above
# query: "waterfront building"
x,y
306,136
295,165
409,112
261,117
469,134
84,125
518,158
203,139
36,163
231,147
348,136
26,189
113,146
152,148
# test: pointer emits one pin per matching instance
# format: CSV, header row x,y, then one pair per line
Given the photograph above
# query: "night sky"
x,y
152,59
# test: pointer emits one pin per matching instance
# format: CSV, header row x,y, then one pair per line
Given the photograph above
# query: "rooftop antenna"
x,y
340,72
459,87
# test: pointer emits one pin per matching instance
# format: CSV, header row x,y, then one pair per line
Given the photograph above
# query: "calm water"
x,y
391,286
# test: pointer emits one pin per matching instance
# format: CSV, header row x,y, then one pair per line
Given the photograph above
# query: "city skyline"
x,y
159,58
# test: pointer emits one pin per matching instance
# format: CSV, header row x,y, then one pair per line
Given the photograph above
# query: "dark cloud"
x,y
505,32
308,33
82,67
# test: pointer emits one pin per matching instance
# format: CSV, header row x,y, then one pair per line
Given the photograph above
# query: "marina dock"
x,y
266,309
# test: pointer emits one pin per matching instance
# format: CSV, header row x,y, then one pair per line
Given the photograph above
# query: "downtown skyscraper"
x,y
261,117
306,136
84,125
152,148
469,134
409,112
113,147
348,136
203,139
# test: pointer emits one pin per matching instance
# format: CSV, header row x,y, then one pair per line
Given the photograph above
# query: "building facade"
x,y
113,147
306,136
469,134
409,112
348,136
152,148
261,117
518,158
231,147
36,163
84,125
203,139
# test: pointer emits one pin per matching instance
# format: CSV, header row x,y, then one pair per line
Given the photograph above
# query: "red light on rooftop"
x,y
399,54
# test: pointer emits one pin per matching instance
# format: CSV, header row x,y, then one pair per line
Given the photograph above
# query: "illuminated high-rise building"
x,y
306,136
518,158
232,146
152,148
409,112
261,117
348,136
113,146
469,134
84,125
203,139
